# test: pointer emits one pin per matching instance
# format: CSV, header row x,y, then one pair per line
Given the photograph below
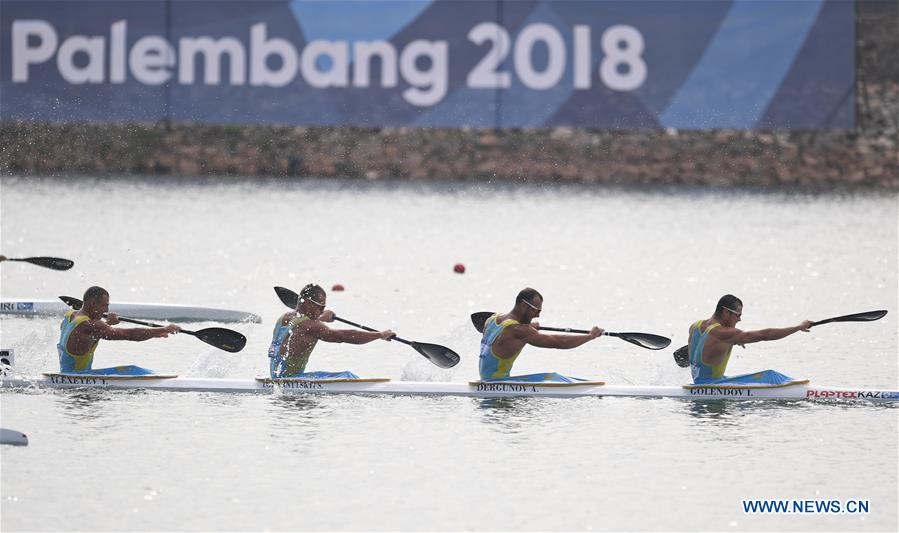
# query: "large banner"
x,y
688,64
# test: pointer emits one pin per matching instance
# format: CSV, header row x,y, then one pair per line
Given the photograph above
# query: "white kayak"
x,y
147,311
13,437
800,390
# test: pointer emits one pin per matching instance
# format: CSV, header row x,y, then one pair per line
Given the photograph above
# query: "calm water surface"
x,y
625,260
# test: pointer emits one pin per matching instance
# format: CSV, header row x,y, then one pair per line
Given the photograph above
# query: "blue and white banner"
x,y
687,64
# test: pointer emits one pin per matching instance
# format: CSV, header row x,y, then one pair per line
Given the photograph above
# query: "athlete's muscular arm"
x,y
322,332
736,336
533,337
98,329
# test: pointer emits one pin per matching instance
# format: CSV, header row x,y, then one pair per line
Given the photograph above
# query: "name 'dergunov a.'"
x,y
505,387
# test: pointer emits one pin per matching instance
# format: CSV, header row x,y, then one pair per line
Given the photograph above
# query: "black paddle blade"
x,y
644,340
287,297
223,339
682,356
867,316
479,319
55,263
439,355
74,303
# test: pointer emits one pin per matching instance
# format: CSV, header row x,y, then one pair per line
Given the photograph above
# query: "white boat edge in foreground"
x,y
384,386
146,311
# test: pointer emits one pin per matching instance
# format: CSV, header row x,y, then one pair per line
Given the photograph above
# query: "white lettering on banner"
x,y
260,49
428,86
363,52
524,48
272,61
581,57
151,59
212,52
336,74
117,44
24,55
628,55
484,74
93,47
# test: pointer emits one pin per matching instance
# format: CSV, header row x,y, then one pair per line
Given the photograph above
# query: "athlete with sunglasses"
x,y
506,334
712,339
297,332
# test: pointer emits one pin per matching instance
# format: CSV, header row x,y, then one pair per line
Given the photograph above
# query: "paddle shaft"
x,y
604,333
584,331
649,341
366,328
567,330
150,324
573,330
77,304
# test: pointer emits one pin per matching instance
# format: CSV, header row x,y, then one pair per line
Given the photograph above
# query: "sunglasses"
x,y
313,301
532,306
732,311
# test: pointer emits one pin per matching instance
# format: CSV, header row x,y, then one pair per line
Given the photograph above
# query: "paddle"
x,y
439,355
867,316
223,339
682,354
643,340
55,263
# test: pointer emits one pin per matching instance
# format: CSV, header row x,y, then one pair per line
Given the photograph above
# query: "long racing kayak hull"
x,y
383,386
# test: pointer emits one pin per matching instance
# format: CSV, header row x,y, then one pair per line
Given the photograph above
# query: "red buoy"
x,y
459,268
337,287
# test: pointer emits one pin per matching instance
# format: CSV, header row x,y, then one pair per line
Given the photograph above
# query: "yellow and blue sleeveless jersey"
x,y
490,365
285,364
69,362
703,372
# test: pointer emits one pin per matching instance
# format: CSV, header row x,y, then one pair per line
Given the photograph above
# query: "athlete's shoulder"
x,y
719,330
521,330
82,318
90,326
